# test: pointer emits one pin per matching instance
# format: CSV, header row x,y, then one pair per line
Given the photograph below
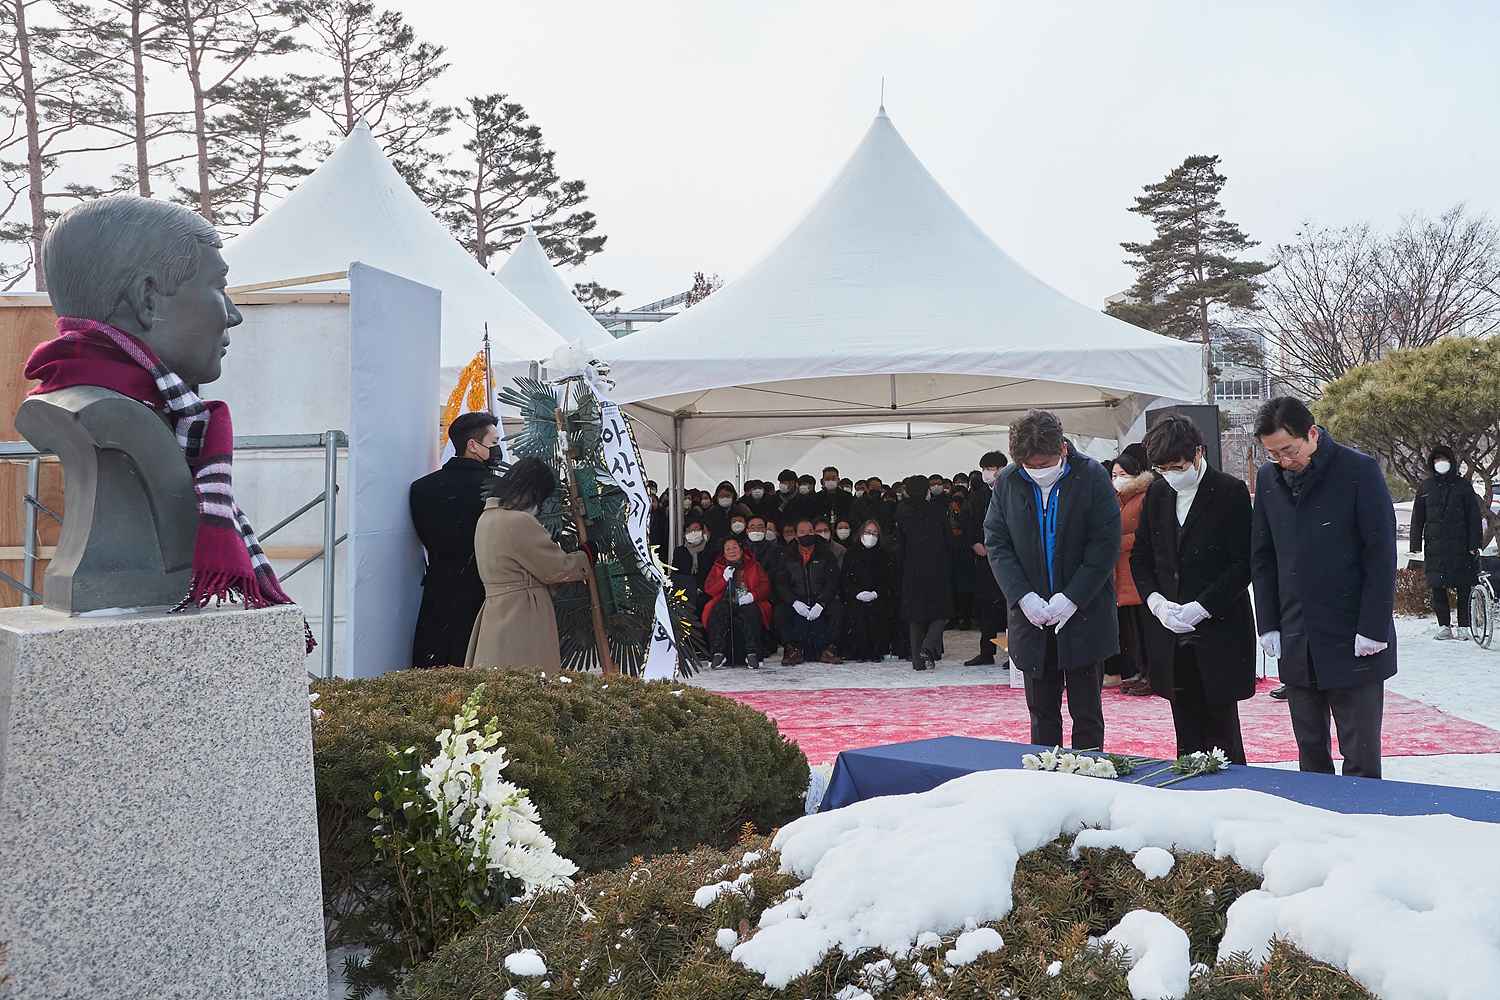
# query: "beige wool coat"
x,y
518,561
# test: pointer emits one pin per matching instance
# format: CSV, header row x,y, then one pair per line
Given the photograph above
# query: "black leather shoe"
x,y
1279,693
982,660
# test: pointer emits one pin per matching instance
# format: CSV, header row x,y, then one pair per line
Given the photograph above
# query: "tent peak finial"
x,y
880,112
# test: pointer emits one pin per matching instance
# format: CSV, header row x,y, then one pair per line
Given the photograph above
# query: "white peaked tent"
x,y
355,207
530,277
887,303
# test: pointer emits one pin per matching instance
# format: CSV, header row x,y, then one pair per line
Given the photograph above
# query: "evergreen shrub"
x,y
618,768
635,934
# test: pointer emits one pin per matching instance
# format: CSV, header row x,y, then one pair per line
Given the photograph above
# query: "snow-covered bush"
x,y
639,933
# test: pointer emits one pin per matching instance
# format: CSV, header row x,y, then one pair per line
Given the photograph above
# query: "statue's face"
x,y
189,330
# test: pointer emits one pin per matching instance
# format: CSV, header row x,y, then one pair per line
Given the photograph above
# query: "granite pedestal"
x,y
158,833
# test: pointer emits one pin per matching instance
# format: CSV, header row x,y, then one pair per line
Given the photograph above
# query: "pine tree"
x,y
594,296
55,88
510,179
379,73
627,589
212,42
1191,270
255,152
138,32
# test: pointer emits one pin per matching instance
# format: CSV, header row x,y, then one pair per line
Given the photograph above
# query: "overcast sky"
x,y
704,130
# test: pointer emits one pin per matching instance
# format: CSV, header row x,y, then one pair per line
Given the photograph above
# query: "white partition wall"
x,y
298,367
395,344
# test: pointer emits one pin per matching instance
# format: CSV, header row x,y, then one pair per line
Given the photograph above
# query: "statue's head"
x,y
150,268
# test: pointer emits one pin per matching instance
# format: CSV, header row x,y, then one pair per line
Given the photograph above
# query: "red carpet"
x,y
823,722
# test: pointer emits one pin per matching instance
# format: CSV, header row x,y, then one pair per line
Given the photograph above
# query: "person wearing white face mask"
x,y
1448,529
1053,536
1191,559
869,582
692,560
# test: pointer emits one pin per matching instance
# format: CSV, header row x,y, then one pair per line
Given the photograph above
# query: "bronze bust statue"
x,y
153,271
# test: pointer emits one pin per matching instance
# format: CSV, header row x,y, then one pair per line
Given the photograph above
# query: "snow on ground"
x,y
1426,891
1456,677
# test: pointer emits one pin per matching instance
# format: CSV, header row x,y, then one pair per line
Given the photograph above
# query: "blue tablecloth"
x,y
925,764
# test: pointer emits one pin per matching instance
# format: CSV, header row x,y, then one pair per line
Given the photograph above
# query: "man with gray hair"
x,y
1053,536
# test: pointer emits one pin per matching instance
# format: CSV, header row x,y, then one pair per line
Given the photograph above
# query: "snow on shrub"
x,y
1158,951
637,933
1153,862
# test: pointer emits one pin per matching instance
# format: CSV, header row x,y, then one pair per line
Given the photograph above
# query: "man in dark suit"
x,y
1323,560
445,508
989,603
1053,537
1191,561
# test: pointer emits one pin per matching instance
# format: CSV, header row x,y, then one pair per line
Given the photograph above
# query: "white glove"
x,y
802,609
1163,609
1035,610
728,573
1185,618
1367,647
746,598
1271,643
815,612
866,596
1059,610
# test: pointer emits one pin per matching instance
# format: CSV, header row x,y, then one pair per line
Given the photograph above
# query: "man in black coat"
x,y
1191,563
926,571
445,508
989,602
807,599
1323,560
1448,528
1053,537
833,500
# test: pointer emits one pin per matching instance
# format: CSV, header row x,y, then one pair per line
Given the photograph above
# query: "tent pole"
x,y
676,473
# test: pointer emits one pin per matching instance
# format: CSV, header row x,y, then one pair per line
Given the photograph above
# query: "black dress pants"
x,y
1440,605
734,630
1358,713
1201,726
1044,696
927,637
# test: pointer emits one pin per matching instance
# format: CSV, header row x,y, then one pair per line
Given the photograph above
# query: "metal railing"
x,y
329,442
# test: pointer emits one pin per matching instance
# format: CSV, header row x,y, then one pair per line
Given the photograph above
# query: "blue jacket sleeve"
x,y
1376,522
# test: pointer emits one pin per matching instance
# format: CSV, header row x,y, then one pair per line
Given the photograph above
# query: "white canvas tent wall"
x,y
887,303
532,279
356,207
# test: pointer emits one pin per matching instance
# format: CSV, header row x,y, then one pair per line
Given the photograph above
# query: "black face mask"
x,y
495,459
807,541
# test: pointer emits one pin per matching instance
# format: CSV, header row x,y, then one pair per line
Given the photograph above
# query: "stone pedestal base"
x,y
158,832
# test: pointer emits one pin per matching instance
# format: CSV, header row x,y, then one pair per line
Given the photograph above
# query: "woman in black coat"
x,y
1448,528
926,573
1191,566
869,596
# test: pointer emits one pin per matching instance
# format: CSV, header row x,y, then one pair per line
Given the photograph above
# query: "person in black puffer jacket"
x,y
808,615
1447,527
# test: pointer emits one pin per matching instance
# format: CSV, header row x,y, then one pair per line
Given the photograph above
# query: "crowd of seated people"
x,y
832,569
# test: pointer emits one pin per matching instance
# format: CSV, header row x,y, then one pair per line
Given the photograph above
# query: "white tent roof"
x,y
355,207
530,277
887,303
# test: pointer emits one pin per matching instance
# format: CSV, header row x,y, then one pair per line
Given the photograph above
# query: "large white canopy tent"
x,y
355,206
887,303
531,277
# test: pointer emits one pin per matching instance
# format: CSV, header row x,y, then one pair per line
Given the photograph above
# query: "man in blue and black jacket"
x,y
1053,537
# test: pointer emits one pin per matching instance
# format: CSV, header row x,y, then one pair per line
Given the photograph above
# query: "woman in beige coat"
x,y
518,561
